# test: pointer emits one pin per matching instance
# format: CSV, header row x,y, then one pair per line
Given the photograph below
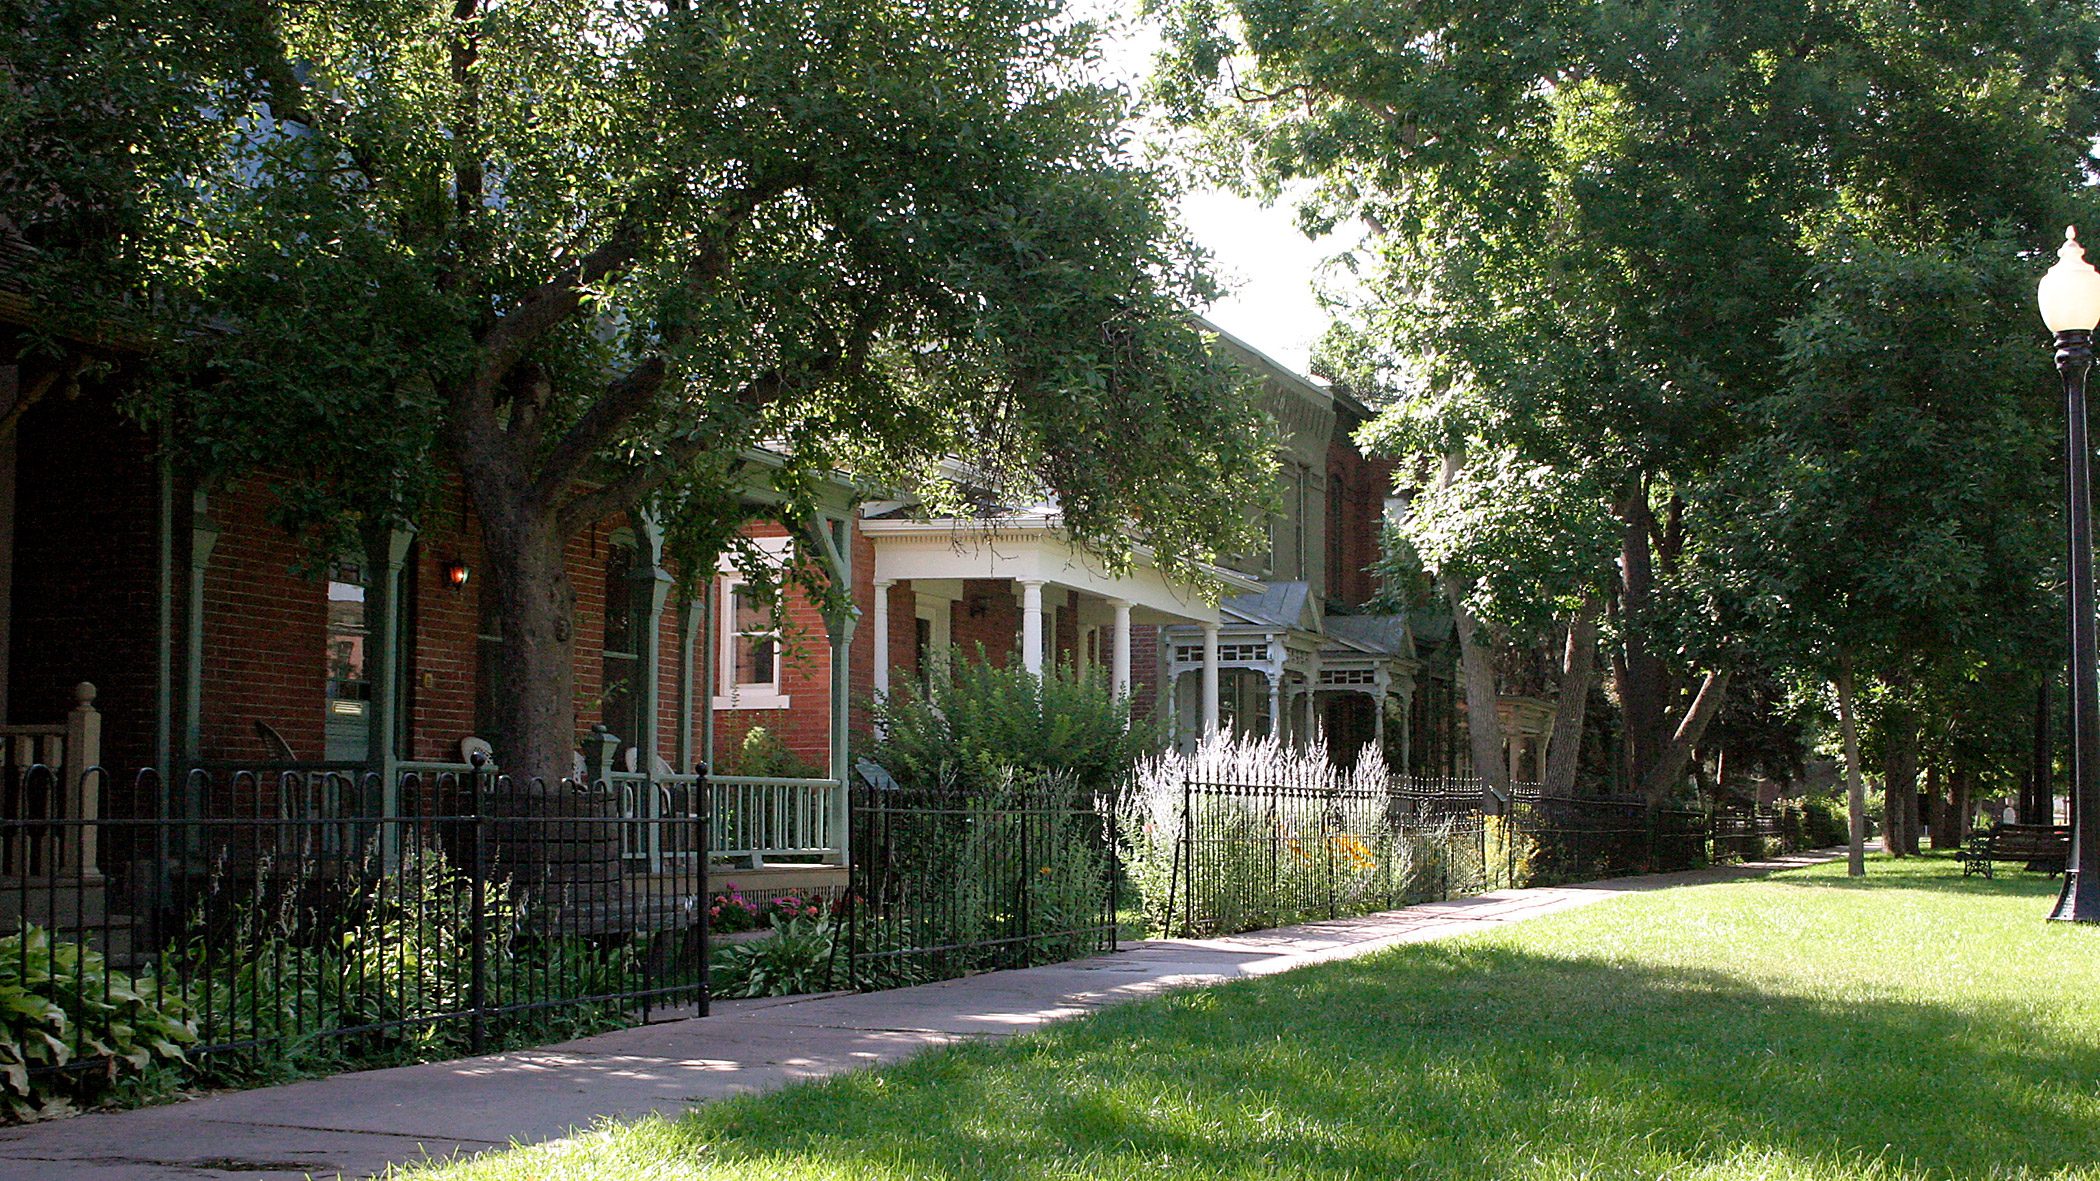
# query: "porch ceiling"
x,y
1035,548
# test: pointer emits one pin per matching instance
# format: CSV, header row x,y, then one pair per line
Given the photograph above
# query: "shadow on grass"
x,y
1458,1060
1936,870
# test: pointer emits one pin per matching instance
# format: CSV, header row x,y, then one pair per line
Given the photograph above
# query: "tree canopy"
x,y
1635,256
588,254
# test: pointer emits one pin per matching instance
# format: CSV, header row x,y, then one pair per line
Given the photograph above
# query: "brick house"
x,y
211,638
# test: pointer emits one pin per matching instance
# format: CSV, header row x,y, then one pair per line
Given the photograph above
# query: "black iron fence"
x,y
1231,856
319,916
1243,856
945,883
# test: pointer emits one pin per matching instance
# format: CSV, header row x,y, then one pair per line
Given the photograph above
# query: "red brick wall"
x,y
986,616
265,634
805,674
444,659
904,631
1144,670
1364,484
1064,645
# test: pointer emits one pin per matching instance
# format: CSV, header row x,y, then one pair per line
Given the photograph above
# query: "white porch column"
x,y
1383,683
1121,664
1032,626
882,637
1210,679
1276,726
1312,700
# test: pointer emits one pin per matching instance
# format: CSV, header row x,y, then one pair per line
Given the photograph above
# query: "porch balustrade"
x,y
753,820
52,775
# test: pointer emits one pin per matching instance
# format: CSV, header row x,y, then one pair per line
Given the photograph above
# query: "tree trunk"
x,y
2041,770
535,691
1900,777
1477,669
1642,678
1855,785
1962,806
1942,819
1577,666
1670,763
1483,725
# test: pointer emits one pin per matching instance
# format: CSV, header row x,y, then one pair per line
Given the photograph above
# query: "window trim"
x,y
729,693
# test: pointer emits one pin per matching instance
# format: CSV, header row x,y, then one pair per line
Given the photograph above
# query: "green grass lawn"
x,y
1911,1025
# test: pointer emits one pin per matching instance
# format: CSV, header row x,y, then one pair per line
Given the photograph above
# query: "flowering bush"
x,y
730,912
1242,834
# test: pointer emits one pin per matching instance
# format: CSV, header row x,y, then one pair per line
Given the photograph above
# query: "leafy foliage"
x,y
1743,282
798,957
597,257
975,724
74,1030
764,754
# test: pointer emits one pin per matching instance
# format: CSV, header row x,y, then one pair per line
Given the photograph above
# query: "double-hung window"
x,y
748,640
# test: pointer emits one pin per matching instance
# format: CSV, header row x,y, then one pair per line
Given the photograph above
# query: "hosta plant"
x,y
74,1030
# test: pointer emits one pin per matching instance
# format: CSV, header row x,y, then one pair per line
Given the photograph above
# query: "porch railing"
x,y
50,775
754,820
757,819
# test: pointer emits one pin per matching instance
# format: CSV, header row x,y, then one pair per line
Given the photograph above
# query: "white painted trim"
x,y
1036,549
758,695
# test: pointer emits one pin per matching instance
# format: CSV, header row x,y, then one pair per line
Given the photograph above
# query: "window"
x,y
1337,529
349,699
922,651
750,646
620,657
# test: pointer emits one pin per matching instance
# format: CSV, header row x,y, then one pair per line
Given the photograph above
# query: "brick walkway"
x,y
356,1124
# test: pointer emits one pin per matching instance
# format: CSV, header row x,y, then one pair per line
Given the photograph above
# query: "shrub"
x,y
764,755
1329,844
1009,872
63,1006
975,724
390,955
795,959
1824,826
1793,833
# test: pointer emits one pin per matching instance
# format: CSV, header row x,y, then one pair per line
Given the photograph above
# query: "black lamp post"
x,y
2070,302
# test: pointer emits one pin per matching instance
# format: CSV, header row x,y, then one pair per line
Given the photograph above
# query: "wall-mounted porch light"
x,y
456,574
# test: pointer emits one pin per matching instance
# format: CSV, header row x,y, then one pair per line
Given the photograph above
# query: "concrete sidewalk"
x,y
356,1124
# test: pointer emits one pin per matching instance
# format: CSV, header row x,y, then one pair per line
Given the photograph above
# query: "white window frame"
x,y
939,613
732,695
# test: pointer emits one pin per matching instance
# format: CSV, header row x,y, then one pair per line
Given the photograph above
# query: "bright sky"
x,y
1265,263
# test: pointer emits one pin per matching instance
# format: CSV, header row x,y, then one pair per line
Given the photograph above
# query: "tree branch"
x,y
624,397
540,310
545,306
289,99
1669,766
466,136
638,483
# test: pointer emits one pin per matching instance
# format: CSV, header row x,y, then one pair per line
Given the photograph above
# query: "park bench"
x,y
2046,847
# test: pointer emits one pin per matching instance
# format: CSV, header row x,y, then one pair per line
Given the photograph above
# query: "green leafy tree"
x,y
1887,520
1590,224
589,254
